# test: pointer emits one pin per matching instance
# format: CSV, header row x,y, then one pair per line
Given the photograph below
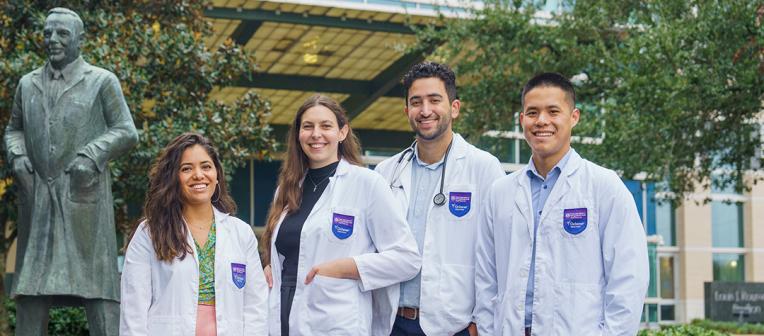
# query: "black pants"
x,y
288,286
406,327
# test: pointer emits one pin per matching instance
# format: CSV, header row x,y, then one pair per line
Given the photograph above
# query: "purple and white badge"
x,y
239,274
459,203
342,225
574,220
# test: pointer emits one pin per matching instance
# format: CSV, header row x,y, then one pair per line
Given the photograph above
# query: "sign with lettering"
x,y
735,301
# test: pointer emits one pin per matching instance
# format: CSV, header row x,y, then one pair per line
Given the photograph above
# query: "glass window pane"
x,y
729,267
667,277
667,313
665,224
727,224
525,152
652,313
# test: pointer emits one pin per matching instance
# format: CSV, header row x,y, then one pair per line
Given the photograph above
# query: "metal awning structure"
x,y
353,51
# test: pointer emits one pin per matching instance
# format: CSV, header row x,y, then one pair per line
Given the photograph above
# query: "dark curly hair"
x,y
163,210
430,70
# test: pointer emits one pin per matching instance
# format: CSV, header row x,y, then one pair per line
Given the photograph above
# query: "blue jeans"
x,y
406,327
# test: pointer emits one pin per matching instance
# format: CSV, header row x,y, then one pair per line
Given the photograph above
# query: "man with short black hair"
x,y
561,249
441,181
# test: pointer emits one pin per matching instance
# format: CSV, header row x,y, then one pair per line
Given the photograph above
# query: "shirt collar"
x,y
423,164
557,169
66,73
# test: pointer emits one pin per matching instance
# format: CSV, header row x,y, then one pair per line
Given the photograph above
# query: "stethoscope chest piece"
x,y
439,199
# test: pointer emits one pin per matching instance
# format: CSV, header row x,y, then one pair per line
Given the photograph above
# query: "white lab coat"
x,y
380,242
160,298
590,283
447,296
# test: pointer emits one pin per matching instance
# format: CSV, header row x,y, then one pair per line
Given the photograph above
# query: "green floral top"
x,y
206,256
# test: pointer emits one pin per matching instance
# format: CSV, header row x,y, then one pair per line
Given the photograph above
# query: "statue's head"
x,y
63,33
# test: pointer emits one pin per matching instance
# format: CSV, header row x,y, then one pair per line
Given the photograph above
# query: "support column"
x,y
753,228
693,229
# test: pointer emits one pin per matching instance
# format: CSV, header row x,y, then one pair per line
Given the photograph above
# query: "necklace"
x,y
197,226
315,185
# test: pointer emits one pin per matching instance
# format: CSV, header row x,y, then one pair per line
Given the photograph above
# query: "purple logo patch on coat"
x,y
342,225
239,274
574,220
459,203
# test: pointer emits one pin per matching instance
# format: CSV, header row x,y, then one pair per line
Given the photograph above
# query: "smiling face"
x,y
320,135
547,120
61,38
427,107
198,176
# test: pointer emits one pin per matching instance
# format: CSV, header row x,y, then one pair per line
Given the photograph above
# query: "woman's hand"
x,y
268,276
344,268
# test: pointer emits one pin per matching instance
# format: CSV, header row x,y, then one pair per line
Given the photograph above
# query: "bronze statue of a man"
x,y
68,120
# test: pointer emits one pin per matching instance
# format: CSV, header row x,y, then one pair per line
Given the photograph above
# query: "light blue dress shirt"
x,y
540,190
424,179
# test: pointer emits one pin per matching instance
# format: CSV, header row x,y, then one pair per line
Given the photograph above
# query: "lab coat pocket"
x,y
578,309
78,114
163,325
344,225
84,186
332,306
462,202
457,291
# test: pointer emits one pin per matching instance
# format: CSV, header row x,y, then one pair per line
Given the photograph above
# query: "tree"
x,y
673,88
157,50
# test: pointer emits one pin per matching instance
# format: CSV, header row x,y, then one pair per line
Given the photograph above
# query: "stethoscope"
x,y
439,198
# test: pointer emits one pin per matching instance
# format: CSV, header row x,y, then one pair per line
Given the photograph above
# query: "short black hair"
x,y
550,79
430,70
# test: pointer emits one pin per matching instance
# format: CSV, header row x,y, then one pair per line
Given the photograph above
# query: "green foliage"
x,y
731,327
66,321
681,330
674,88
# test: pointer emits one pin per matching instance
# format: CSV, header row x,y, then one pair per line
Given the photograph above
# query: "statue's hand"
x,y
82,170
22,164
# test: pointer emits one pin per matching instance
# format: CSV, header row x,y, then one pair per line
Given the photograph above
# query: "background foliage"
x,y
157,50
673,88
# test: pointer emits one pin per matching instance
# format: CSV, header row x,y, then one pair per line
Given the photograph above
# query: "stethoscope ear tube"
x,y
440,197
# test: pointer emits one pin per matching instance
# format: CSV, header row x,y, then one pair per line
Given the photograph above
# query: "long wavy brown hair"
x,y
163,210
289,193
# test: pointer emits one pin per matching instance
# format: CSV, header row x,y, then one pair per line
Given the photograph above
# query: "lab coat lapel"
x,y
523,200
405,178
221,234
562,187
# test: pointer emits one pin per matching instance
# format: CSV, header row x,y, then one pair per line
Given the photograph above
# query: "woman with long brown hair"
x,y
334,234
191,268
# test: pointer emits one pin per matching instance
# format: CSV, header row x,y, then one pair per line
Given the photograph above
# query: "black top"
x,y
288,239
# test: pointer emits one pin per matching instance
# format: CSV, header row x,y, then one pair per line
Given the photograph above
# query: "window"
x,y
727,224
665,222
729,267
666,277
658,217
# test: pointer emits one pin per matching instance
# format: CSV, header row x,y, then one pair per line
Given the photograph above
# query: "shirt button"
x,y
539,212
545,186
52,149
50,179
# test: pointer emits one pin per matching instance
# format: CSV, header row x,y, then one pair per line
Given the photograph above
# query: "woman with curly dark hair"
x,y
191,267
